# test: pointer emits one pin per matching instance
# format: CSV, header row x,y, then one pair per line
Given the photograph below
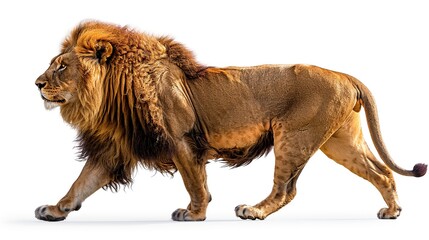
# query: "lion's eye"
x,y
62,67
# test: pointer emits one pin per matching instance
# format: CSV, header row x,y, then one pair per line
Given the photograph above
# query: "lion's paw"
x,y
49,213
248,212
186,215
387,213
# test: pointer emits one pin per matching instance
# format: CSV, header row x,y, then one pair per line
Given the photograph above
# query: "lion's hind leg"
x,y
348,148
292,150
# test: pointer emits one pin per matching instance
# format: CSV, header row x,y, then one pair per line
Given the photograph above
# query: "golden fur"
x,y
138,99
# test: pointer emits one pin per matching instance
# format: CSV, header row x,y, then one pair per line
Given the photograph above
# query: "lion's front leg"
x,y
194,177
90,180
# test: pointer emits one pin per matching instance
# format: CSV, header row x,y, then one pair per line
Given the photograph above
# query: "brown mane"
x,y
121,116
182,57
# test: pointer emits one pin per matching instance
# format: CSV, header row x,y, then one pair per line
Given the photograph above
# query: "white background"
x,y
383,43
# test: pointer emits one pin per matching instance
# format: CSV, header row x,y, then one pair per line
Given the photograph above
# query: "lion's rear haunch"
x,y
136,99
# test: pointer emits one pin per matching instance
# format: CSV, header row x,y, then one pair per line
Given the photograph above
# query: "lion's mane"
x,y
119,119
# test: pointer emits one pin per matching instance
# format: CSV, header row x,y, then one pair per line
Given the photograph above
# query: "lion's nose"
x,y
40,84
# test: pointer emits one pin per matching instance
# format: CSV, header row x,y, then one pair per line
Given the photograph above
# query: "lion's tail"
x,y
368,102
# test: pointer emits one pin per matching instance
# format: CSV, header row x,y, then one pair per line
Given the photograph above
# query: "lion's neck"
x,y
79,116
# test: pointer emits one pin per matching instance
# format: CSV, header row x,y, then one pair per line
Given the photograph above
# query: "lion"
x,y
137,99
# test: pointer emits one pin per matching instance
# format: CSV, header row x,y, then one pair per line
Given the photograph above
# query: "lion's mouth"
x,y
54,100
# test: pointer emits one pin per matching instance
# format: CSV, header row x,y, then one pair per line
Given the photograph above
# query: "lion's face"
x,y
58,84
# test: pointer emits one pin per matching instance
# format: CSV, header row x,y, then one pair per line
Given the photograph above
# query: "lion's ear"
x,y
103,50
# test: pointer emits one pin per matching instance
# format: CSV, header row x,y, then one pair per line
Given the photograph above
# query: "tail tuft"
x,y
420,169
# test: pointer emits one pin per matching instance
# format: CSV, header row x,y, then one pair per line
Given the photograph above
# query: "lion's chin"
x,y
51,105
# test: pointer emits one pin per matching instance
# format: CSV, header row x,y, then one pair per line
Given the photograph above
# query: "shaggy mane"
x,y
176,52
182,57
118,116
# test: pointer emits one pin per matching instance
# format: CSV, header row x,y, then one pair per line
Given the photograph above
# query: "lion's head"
x,y
58,85
95,65
74,79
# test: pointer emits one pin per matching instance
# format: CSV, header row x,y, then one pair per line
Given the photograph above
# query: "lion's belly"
x,y
242,137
